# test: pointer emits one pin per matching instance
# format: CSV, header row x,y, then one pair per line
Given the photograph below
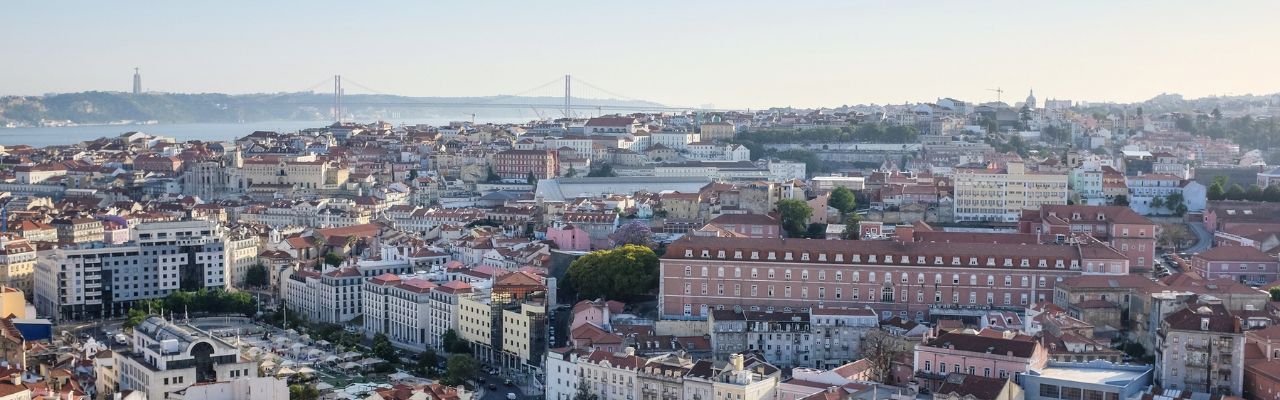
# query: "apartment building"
x,y
1242,264
1120,227
701,274
990,354
518,164
398,307
78,230
1201,349
626,376
165,357
1000,194
194,249
331,297
17,263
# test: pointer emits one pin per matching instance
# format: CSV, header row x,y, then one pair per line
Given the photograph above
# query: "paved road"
x,y
1204,239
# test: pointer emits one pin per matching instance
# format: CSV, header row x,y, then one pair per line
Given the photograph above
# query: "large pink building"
x,y
1242,264
910,280
988,354
1119,226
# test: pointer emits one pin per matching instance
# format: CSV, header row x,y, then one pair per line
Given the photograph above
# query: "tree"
x,y
1216,192
635,232
459,368
1236,192
531,179
1272,193
1275,294
427,362
605,170
256,276
623,273
851,226
303,391
880,350
413,175
1173,235
1121,200
1254,193
572,172
583,393
491,176
334,259
1157,203
795,216
1216,113
454,344
843,199
383,349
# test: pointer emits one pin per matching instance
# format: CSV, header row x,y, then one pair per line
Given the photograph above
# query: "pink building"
x,y
988,353
1118,226
1243,264
569,237
700,274
595,312
742,225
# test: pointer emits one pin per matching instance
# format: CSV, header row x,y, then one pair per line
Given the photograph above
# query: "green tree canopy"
x,y
1254,193
1236,192
795,216
843,199
1216,192
453,343
459,368
1272,193
623,273
256,276
334,259
383,349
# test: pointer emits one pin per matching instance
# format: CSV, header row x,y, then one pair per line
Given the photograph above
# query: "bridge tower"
x,y
568,96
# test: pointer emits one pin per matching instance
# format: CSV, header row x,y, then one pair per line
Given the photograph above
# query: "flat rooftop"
x,y
1119,377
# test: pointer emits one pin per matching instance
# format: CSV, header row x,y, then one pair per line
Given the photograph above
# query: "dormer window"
x,y
906,260
688,253
937,260
720,254
955,260
973,261
1026,262
1102,217
991,261
804,256
737,254
856,258
920,260
839,257
871,258
773,256
786,256
706,254
1008,262
822,256
755,255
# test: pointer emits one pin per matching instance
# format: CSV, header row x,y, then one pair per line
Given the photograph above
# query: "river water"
x,y
40,137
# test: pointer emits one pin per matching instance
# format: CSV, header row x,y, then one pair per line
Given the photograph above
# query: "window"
x,y
704,288
688,287
937,296
720,290
839,276
955,279
804,274
1008,280
942,368
688,270
1048,391
986,372
856,277
991,280
771,273
839,292
904,277
927,367
737,272
822,275
720,272
871,277
973,297
822,293
704,272
786,291
770,290
753,290
755,273
854,293
786,274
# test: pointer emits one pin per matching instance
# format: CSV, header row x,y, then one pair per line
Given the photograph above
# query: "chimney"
x,y
737,362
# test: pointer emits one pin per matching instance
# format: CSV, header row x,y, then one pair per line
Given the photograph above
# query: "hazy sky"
x,y
687,53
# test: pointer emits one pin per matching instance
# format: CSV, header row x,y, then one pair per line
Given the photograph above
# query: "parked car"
x,y
508,383
511,396
492,387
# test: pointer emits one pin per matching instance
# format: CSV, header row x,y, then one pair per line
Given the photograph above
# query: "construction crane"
x,y
998,93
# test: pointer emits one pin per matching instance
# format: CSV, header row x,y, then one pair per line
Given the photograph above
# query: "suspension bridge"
x,y
589,97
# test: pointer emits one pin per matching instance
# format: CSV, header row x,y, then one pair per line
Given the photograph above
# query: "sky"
x,y
727,54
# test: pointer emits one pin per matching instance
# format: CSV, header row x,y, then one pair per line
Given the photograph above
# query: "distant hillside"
x,y
104,107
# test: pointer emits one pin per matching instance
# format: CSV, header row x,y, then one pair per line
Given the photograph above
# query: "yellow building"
x,y
17,263
477,318
13,302
991,193
306,172
524,332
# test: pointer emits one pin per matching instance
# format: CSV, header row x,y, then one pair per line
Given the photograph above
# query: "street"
x,y
1204,239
